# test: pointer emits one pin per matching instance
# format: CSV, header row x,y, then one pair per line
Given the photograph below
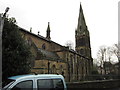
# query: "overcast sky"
x,y
101,18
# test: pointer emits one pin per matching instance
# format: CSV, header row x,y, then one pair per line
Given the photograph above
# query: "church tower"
x,y
82,36
48,32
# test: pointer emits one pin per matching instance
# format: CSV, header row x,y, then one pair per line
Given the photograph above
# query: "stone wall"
x,y
94,84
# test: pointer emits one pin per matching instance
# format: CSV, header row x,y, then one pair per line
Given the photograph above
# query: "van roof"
x,y
42,76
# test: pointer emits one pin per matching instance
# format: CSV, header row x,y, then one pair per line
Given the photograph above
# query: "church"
x,y
50,57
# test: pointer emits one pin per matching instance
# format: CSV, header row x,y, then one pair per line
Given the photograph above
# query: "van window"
x,y
58,84
45,83
50,84
24,85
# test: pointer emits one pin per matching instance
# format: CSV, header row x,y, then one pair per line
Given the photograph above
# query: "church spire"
x,y
48,31
81,19
82,36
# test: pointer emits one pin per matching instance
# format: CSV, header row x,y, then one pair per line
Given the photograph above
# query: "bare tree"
x,y
116,50
109,53
102,56
106,55
69,44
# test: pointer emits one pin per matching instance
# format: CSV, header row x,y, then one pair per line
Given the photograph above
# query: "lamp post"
x,y
2,17
2,20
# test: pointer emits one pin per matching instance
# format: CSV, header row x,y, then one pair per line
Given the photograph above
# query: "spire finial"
x,y
48,31
30,29
38,32
80,6
48,28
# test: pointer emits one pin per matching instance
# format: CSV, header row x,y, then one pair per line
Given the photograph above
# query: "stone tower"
x,y
48,32
82,36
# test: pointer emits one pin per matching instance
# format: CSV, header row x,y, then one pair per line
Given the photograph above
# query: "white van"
x,y
36,82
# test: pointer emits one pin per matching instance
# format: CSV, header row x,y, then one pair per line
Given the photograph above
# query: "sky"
x,y
101,18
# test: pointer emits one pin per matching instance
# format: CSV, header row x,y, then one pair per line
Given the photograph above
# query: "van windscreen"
x,y
7,82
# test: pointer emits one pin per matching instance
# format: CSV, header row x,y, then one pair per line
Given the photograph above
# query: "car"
x,y
37,82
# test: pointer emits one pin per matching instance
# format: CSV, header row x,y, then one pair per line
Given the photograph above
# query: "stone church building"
x,y
50,57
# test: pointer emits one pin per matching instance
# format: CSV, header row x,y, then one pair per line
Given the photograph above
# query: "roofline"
x,y
39,36
50,41
73,51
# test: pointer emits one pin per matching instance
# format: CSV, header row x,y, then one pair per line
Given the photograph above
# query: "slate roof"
x,y
49,55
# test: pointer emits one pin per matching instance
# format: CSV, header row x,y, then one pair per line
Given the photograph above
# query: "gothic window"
x,y
53,69
86,70
82,42
77,44
80,27
43,46
71,62
82,71
61,68
82,51
29,41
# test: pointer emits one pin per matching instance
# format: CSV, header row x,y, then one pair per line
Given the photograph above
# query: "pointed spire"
x,y
48,28
81,10
48,31
81,19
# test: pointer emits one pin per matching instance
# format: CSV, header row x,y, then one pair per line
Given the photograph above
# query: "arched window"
x,y
61,68
71,62
82,51
29,41
82,41
54,69
43,46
